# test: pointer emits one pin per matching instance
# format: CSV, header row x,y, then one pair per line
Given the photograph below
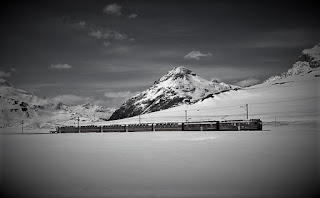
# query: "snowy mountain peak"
x,y
312,56
176,73
180,70
308,62
313,51
179,86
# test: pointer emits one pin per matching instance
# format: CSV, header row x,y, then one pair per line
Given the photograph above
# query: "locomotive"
x,y
226,125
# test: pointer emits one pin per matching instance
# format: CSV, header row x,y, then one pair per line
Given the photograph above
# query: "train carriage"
x,y
240,125
68,129
167,126
114,128
138,127
201,126
87,129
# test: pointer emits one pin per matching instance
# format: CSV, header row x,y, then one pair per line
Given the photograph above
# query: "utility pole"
x,y
186,113
247,110
247,107
139,119
78,124
22,126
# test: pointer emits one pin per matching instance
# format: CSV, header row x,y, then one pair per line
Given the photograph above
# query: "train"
x,y
226,125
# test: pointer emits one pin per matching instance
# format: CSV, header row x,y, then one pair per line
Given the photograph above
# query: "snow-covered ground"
x,y
279,162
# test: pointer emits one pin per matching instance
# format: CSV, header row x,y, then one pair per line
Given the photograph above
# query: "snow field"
x,y
276,163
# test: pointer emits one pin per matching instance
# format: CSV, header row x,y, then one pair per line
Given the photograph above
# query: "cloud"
x,y
115,35
96,34
82,24
111,34
70,99
12,69
133,16
5,74
196,55
95,31
248,82
60,66
113,9
121,94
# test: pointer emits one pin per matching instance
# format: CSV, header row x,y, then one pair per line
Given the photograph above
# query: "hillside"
x,y
18,105
179,86
307,62
290,97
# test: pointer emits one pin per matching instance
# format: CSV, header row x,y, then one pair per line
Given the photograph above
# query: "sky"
x,y
106,51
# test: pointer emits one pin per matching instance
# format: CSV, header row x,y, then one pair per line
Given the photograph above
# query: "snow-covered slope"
x,y
308,62
178,86
17,105
312,56
9,91
87,113
292,97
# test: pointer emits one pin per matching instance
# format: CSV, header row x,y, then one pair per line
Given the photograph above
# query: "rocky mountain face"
x,y
17,105
178,86
307,62
311,56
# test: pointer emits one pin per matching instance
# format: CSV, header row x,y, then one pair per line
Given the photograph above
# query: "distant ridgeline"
x,y
17,106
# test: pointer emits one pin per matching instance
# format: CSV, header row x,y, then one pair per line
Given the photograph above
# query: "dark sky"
x,y
105,51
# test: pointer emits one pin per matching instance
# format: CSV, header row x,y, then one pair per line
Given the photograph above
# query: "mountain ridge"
x,y
179,86
307,62
18,105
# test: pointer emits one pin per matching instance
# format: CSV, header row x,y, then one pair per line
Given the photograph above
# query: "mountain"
x,y
290,98
308,61
179,86
17,105
293,100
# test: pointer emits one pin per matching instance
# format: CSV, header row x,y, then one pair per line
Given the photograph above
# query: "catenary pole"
x,y
186,114
78,124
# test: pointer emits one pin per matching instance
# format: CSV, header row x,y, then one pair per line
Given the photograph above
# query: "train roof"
x,y
202,122
248,120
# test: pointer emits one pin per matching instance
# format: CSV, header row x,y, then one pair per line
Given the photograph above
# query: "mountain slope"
x,y
292,97
17,105
307,62
178,86
293,100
